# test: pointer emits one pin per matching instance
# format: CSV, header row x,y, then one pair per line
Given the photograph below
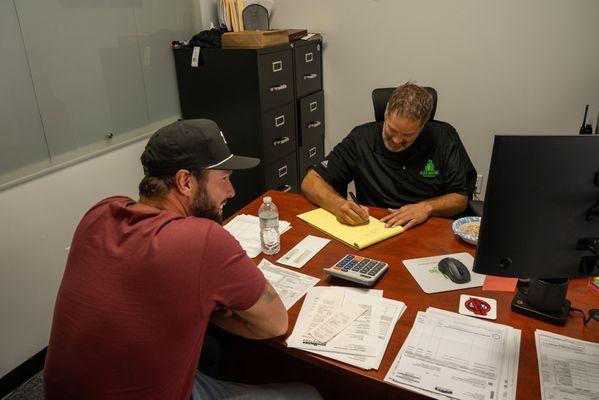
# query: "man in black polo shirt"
x,y
410,166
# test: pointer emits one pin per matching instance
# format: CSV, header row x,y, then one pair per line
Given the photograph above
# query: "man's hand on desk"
x,y
408,216
350,213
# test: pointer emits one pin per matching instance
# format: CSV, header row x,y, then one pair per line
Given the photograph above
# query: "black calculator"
x,y
358,269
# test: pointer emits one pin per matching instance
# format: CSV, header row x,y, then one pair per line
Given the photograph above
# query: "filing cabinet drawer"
x,y
310,154
282,174
308,68
276,78
278,132
311,110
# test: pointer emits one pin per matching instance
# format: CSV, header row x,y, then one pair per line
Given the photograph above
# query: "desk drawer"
x,y
278,132
276,79
282,174
311,110
308,69
310,154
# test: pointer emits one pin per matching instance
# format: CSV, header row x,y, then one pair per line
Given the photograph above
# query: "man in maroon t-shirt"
x,y
143,279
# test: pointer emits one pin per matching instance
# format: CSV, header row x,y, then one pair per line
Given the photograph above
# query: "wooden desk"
x,y
272,361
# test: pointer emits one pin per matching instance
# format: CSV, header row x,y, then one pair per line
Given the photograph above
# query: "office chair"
x,y
380,97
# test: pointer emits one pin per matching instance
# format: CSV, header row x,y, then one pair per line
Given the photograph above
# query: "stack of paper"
x,y
290,285
568,368
448,355
246,229
325,325
358,237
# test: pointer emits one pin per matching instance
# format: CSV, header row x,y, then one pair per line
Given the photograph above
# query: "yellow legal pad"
x,y
359,237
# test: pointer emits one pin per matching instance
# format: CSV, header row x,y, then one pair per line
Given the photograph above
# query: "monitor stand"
x,y
542,289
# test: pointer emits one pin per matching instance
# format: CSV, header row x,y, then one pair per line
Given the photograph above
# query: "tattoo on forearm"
x,y
269,293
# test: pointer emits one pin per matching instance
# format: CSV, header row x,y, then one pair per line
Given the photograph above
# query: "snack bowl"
x,y
467,228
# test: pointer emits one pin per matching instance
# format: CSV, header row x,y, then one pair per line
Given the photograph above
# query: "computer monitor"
x,y
541,216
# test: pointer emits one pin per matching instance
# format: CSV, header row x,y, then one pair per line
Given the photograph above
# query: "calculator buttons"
x,y
358,269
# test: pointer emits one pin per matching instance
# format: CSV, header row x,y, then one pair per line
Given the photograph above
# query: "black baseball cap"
x,y
192,144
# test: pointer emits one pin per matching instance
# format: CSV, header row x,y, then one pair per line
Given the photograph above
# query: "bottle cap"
x,y
266,199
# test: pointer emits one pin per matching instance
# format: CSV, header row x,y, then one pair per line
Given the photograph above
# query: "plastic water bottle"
x,y
269,227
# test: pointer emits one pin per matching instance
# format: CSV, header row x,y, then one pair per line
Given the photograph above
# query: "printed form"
x,y
449,355
289,285
568,367
364,341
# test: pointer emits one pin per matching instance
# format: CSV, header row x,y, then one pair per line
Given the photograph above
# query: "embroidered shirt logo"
x,y
429,170
325,163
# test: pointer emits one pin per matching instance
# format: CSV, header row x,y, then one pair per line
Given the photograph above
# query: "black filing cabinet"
x,y
268,103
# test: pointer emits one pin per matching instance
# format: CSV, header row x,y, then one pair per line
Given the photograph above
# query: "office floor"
x,y
33,389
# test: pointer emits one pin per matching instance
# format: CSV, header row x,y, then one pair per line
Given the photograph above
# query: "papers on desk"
x,y
360,342
246,229
447,355
568,368
303,251
290,285
358,237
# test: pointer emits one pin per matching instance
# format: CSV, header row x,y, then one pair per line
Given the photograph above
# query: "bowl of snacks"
x,y
467,228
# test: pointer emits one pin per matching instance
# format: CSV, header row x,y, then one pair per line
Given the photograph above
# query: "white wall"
x,y
512,66
38,221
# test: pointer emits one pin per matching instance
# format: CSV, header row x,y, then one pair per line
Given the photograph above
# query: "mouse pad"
x,y
426,273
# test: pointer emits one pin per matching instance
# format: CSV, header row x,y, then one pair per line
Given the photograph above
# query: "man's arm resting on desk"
x,y
411,215
319,192
264,320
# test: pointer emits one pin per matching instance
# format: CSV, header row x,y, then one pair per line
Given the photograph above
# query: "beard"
x,y
204,207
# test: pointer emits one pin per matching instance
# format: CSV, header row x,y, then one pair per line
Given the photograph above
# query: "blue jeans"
x,y
207,388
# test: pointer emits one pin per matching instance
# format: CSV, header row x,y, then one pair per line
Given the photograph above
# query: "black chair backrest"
x,y
380,97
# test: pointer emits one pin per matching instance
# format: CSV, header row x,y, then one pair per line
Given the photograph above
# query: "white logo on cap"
x,y
224,140
325,163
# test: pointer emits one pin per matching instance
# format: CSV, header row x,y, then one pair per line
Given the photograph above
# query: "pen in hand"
x,y
353,197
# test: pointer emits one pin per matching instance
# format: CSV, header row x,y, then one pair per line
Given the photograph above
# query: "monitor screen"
x,y
539,194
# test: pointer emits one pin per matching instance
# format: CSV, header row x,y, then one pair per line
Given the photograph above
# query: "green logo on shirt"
x,y
429,170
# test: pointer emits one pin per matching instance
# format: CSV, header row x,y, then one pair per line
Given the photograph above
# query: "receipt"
x,y
337,322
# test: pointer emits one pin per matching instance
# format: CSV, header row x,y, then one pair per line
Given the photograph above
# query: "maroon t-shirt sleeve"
x,y
228,276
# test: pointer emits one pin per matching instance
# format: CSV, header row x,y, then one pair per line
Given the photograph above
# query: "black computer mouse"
x,y
454,269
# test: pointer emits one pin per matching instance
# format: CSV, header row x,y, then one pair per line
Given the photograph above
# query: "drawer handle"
x,y
282,171
278,88
312,152
277,66
284,188
313,106
314,124
280,141
279,121
309,57
311,76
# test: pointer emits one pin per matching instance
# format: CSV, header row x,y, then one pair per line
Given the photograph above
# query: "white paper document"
x,y
337,322
363,342
289,285
303,251
447,355
246,229
568,367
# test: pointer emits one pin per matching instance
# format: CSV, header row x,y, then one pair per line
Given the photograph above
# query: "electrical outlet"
x,y
478,188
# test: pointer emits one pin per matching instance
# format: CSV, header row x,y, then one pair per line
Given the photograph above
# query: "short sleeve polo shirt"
x,y
430,167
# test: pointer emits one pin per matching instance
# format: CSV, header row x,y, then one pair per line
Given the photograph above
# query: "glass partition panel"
x,y
86,70
22,143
